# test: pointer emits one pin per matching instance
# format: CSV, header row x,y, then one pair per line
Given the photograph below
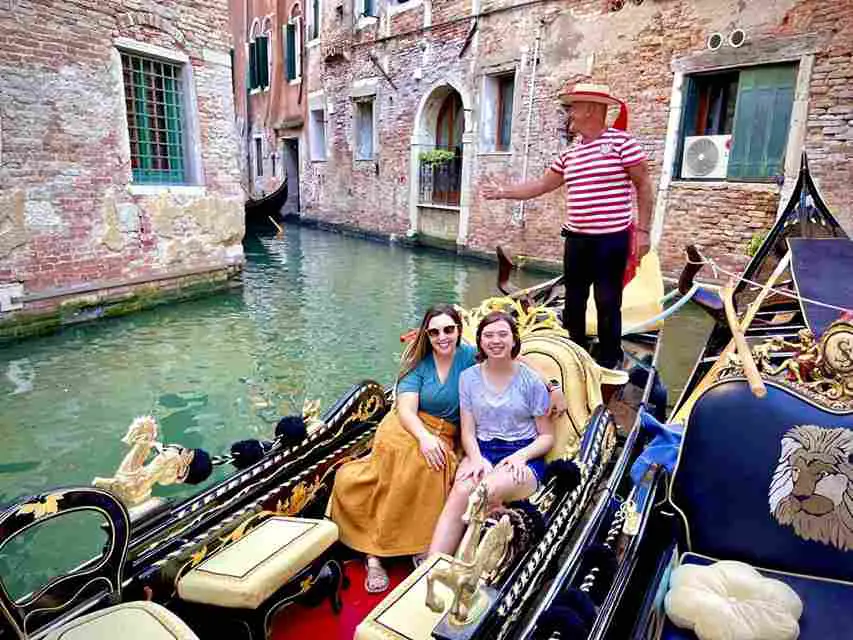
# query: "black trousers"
x,y
598,261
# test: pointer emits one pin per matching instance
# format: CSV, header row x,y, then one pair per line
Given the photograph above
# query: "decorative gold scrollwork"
x,y
42,508
822,371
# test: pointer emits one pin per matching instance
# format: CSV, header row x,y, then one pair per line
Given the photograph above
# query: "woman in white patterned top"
x,y
506,430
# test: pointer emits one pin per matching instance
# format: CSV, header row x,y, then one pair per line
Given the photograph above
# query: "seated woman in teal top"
x,y
387,503
437,398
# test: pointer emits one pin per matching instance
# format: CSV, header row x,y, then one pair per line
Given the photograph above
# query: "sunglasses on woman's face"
x,y
434,332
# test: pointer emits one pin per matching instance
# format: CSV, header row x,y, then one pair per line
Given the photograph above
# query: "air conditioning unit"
x,y
705,156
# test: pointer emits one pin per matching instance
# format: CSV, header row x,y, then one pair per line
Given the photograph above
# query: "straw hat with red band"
x,y
597,93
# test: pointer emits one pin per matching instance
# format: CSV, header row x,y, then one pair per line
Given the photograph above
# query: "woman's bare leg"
x,y
449,528
503,488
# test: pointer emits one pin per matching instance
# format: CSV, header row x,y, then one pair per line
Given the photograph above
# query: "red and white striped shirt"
x,y
598,188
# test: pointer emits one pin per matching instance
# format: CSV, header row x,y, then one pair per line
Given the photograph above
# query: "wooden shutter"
x,y
263,61
253,65
762,117
315,19
290,52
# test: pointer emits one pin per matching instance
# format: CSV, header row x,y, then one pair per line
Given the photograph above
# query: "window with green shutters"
x,y
153,95
762,118
259,61
290,51
315,19
369,7
751,104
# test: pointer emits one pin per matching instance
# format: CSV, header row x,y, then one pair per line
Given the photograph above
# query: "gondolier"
x,y
598,172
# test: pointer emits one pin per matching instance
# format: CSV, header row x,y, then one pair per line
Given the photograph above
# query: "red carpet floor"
x,y
321,623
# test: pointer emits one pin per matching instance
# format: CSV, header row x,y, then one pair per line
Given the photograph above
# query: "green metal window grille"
x,y
290,53
153,99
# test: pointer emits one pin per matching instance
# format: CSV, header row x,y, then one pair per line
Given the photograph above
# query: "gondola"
x,y
727,494
265,213
253,555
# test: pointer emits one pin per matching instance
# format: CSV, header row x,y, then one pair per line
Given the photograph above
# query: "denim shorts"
x,y
496,450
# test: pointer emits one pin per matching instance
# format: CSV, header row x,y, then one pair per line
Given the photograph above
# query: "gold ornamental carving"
x,y
820,370
474,559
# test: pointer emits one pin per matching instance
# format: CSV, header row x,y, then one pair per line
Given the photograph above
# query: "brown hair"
x,y
420,346
497,316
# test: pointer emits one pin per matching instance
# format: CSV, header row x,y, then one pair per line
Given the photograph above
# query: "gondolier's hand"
x,y
433,452
558,403
490,192
644,242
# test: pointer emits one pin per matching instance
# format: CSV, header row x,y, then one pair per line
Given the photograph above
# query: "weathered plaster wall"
x,y
634,50
69,215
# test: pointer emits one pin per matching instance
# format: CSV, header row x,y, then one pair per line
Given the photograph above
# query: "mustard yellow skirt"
x,y
387,503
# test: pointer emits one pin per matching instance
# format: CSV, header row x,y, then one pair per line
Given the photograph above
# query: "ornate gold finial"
x,y
134,479
42,508
311,415
821,370
474,558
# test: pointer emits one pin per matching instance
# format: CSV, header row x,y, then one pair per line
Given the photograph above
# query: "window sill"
x,y
769,186
443,207
319,159
365,159
498,154
313,44
402,7
365,21
253,92
295,81
158,189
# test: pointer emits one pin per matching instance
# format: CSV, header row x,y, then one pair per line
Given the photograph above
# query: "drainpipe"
x,y
518,216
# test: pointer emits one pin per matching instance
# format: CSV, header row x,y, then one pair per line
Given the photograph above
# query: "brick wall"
x,y
633,49
68,214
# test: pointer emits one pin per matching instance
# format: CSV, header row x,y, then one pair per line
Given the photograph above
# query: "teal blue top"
x,y
435,398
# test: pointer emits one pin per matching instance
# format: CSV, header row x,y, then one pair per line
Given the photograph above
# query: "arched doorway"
x,y
445,172
439,162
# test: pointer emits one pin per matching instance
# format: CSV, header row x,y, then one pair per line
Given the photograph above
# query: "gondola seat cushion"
x,y
827,605
128,621
768,481
403,614
732,600
247,572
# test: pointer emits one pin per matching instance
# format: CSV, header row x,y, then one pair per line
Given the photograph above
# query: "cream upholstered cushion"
x,y
249,571
729,599
403,613
128,621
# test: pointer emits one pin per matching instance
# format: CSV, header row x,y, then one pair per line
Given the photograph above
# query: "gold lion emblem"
x,y
812,487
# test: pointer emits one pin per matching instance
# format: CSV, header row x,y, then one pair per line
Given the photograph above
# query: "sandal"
x,y
418,558
376,580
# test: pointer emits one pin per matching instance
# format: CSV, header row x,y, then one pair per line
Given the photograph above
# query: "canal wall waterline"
x,y
47,312
530,264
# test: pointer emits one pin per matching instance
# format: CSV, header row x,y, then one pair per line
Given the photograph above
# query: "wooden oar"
x,y
684,412
280,233
746,359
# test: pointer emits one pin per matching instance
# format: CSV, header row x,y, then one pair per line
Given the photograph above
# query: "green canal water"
x,y
317,312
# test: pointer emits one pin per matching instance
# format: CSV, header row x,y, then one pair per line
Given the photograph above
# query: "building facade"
x,y
119,174
269,92
414,105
